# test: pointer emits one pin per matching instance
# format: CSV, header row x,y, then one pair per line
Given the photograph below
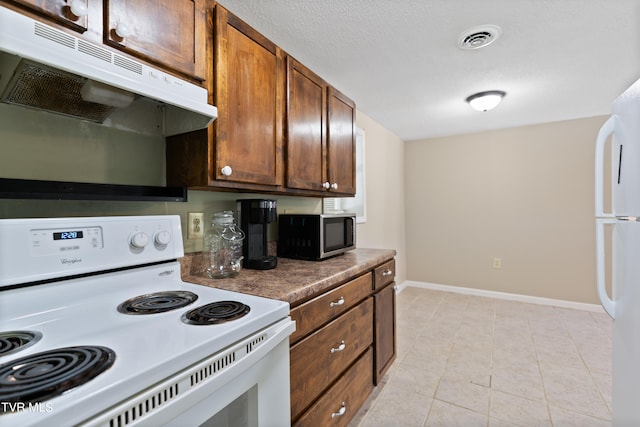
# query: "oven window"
x,y
242,412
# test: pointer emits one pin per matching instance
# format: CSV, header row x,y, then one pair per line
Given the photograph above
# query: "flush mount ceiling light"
x,y
485,101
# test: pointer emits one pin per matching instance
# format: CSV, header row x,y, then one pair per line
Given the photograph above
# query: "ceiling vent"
x,y
477,37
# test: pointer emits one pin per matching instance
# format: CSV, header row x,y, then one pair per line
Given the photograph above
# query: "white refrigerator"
x,y
620,138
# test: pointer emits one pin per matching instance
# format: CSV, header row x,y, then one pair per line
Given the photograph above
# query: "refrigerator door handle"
x,y
607,303
605,131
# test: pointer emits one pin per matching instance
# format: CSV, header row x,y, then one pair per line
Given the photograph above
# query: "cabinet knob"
x,y
226,171
78,8
123,30
387,272
341,411
326,185
334,186
338,348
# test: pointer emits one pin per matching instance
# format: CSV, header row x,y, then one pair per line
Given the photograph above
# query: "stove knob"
x,y
139,240
162,238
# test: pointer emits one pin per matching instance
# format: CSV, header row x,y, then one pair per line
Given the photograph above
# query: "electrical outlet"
x,y
195,226
497,263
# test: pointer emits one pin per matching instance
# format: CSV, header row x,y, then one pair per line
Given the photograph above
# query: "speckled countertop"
x,y
294,281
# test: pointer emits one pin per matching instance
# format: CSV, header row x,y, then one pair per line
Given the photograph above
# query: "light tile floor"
x,y
475,361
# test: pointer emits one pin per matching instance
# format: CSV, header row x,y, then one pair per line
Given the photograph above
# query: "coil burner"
x,y
14,341
41,376
158,302
215,313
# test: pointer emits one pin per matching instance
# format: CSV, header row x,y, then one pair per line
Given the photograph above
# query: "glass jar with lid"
x,y
223,246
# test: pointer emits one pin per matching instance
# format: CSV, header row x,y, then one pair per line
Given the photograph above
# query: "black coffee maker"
x,y
253,216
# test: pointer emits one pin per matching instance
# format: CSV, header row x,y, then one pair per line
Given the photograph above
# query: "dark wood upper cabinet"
x,y
249,93
306,128
321,152
243,148
341,143
280,129
171,33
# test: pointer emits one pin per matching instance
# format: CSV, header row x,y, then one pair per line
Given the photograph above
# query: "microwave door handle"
x,y
346,232
605,131
349,232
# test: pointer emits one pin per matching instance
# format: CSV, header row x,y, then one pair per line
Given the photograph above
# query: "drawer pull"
x,y
339,302
340,412
387,273
339,348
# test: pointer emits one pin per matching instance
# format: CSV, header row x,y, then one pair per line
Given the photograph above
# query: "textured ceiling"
x,y
399,60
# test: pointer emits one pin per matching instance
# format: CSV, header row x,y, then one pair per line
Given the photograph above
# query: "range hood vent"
x,y
47,69
43,88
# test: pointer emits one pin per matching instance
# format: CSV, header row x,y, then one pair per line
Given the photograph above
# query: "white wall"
x,y
524,195
385,195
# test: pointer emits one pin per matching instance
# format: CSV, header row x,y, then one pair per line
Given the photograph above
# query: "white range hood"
x,y
48,69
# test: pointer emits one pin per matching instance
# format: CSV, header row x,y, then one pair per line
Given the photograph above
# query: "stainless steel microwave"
x,y
315,237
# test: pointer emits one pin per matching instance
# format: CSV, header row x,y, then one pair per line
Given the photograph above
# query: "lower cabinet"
x,y
318,360
385,318
344,343
341,402
385,331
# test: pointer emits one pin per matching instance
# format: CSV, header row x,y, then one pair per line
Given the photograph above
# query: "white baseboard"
x,y
502,295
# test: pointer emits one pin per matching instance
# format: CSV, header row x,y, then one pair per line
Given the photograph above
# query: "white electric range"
x,y
97,328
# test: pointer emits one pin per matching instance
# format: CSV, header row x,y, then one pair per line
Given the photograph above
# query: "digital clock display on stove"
x,y
67,235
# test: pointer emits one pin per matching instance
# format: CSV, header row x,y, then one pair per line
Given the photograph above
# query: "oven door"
x,y
246,385
260,396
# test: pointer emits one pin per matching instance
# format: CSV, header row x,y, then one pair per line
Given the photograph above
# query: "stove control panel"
x,y
36,249
65,240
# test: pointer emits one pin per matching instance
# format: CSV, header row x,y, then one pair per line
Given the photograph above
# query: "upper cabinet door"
x,y
306,131
249,93
60,11
341,143
171,33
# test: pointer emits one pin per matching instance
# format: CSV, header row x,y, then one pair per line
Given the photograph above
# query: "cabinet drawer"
x,y
319,359
315,313
384,274
341,402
